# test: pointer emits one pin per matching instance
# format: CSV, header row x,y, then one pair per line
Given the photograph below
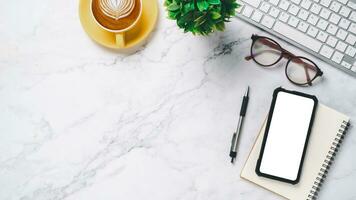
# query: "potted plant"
x,y
201,17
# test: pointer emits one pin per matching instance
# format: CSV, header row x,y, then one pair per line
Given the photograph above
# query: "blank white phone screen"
x,y
287,135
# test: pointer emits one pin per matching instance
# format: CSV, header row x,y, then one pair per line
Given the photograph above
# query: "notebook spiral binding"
x,y
313,194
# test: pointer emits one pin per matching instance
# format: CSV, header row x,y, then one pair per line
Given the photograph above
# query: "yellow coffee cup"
x,y
117,18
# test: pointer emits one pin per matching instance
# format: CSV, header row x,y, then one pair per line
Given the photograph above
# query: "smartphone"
x,y
286,136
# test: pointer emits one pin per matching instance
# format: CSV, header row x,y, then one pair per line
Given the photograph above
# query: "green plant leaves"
x,y
214,2
201,16
215,15
173,6
202,5
188,7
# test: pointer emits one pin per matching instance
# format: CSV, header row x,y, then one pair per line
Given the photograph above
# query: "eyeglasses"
x,y
299,70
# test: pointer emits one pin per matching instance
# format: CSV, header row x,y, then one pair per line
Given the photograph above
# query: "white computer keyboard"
x,y
324,28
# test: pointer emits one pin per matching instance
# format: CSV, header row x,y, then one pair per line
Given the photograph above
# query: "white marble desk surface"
x,y
79,122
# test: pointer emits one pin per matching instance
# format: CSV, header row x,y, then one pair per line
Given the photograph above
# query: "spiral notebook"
x,y
327,134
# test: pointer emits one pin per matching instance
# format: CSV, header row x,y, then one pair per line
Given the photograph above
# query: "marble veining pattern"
x,y
78,121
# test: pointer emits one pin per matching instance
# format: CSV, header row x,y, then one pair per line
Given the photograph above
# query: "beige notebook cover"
x,y
328,129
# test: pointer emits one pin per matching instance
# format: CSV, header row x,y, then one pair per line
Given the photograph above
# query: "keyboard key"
x,y
297,36
265,7
274,12
344,23
303,26
257,15
353,68
325,13
351,39
353,16
331,41
268,21
335,6
325,3
335,18
352,28
349,59
332,29
284,17
306,4
345,11
274,2
247,11
284,5
312,31
322,24
337,57
341,46
293,21
296,1
352,5
313,19
303,14
293,9
254,3
341,34
343,1
346,64
315,8
322,36
351,51
326,51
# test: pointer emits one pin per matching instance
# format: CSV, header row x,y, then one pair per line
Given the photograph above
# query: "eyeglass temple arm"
x,y
267,43
261,52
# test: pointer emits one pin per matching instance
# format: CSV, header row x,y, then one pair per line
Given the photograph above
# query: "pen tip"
x,y
247,90
232,160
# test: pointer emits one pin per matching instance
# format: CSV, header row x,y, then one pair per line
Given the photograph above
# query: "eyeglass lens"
x,y
300,70
266,52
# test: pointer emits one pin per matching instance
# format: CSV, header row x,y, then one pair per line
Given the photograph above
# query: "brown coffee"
x,y
112,22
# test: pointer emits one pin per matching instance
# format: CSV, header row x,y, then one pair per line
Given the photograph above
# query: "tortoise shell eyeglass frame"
x,y
285,54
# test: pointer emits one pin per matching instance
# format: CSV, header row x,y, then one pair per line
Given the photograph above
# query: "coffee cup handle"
x,y
120,39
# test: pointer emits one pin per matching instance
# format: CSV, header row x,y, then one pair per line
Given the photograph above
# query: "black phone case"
x,y
275,93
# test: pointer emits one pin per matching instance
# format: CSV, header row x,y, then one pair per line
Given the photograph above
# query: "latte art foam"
x,y
116,15
117,9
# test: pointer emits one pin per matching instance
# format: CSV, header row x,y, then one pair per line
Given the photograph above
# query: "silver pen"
x,y
235,137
